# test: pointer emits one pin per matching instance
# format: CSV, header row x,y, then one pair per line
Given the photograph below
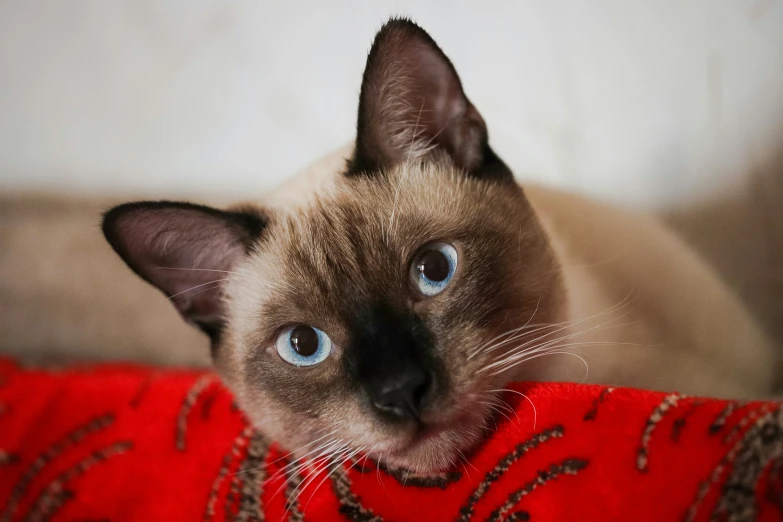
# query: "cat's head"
x,y
369,317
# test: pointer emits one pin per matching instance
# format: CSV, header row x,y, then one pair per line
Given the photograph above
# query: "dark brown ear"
x,y
412,106
185,250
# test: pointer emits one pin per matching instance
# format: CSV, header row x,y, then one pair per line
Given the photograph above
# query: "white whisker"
x,y
197,286
326,455
513,355
510,331
587,367
295,451
562,325
327,468
380,480
194,269
494,407
303,447
293,468
535,412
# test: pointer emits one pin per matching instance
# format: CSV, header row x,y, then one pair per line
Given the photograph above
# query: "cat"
x,y
382,302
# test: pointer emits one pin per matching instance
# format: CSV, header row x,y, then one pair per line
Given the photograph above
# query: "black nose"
x,y
402,395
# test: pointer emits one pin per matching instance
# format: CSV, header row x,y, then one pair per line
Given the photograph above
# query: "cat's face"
x,y
364,315
368,319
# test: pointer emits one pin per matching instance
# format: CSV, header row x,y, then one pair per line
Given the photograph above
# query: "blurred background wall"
x,y
648,103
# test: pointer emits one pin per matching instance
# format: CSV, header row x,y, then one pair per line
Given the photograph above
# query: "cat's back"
x,y
669,312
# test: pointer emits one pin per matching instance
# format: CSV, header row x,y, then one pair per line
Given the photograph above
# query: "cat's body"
x,y
384,299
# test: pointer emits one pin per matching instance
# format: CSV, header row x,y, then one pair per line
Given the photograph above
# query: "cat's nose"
x,y
402,396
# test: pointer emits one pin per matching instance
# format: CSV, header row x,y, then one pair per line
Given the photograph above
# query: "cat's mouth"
x,y
422,435
436,447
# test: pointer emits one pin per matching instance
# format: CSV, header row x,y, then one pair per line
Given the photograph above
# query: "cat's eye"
x,y
433,268
303,345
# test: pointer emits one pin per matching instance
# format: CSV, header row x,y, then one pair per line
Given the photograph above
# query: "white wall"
x,y
638,101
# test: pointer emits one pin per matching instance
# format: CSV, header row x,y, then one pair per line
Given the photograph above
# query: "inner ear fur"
x,y
185,250
412,106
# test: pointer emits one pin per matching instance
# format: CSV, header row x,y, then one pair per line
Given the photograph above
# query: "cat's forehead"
x,y
394,210
360,227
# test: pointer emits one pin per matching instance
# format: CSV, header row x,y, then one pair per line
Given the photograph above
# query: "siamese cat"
x,y
386,298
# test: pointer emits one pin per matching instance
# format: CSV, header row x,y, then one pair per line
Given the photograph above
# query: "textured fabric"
x,y
134,443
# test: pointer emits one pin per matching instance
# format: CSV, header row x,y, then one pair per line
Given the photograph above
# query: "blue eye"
x,y
303,345
433,267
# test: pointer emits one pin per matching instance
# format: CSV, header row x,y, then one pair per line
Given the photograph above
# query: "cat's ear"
x,y
412,105
185,250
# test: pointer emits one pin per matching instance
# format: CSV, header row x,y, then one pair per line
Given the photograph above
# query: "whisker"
x,y
241,276
563,325
349,457
322,450
296,467
380,480
283,469
587,367
507,407
535,412
494,398
516,335
552,352
494,407
303,447
514,330
327,475
463,467
194,269
197,286
467,462
515,355
328,463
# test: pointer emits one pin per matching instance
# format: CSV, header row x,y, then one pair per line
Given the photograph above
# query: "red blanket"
x,y
132,443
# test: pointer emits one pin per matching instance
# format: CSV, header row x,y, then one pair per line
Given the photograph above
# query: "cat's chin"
x,y
432,450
